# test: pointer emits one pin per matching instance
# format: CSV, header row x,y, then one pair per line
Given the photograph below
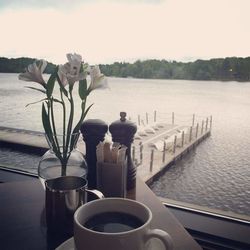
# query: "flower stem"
x,y
53,125
64,124
70,122
63,168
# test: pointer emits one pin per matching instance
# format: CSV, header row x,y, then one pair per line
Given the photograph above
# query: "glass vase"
x,y
50,166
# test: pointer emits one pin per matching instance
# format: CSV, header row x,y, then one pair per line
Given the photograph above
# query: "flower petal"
x,y
43,65
69,57
34,73
32,67
62,76
102,83
25,77
74,57
98,80
71,69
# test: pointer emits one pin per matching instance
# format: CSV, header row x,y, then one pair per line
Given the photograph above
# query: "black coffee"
x,y
113,222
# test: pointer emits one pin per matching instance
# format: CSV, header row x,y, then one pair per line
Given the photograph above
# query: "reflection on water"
x,y
216,174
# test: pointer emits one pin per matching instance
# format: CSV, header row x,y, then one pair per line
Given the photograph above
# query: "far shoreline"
x,y
157,79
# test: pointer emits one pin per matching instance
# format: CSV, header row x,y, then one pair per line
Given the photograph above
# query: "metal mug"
x,y
63,196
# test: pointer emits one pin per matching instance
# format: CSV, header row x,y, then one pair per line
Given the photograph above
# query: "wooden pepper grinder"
x,y
123,131
93,131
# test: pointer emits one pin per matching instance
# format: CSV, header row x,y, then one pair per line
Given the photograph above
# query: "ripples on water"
x,y
216,174
19,160
199,179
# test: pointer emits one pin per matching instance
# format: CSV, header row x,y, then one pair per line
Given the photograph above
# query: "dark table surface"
x,y
22,217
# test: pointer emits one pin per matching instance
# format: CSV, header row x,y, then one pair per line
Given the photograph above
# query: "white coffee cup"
x,y
134,239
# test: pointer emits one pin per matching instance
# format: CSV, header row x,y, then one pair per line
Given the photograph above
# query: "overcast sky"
x,y
107,31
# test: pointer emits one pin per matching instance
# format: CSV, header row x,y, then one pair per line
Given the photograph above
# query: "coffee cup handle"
x,y
97,193
161,235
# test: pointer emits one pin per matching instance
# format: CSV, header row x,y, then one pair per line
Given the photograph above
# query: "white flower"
x,y
74,58
62,75
71,70
98,80
34,73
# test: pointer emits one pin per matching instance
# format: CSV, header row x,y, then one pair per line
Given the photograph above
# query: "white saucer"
x,y
67,245
153,244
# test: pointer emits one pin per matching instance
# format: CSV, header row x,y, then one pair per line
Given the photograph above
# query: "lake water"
x,y
215,175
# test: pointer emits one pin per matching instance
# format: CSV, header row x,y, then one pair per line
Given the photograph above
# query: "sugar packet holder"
x,y
111,169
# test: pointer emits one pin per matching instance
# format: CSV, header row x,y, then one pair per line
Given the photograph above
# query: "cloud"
x,y
118,31
62,4
20,4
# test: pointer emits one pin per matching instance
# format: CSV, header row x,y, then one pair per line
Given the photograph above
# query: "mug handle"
x,y
161,235
96,192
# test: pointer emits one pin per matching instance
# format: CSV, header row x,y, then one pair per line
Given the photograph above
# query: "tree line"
x,y
225,69
18,65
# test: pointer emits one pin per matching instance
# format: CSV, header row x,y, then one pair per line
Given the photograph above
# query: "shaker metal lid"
x,y
123,126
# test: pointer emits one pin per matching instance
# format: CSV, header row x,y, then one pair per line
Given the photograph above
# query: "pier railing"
x,y
171,118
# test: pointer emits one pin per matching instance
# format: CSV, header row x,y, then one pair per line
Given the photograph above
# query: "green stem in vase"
x,y
53,124
64,123
63,167
69,129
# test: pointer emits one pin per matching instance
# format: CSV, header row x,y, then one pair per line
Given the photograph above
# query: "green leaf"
x,y
82,90
41,90
77,127
51,83
74,139
65,92
48,131
71,86
46,124
86,112
36,102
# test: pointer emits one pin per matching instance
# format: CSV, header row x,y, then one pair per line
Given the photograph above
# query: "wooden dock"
x,y
154,153
27,140
23,140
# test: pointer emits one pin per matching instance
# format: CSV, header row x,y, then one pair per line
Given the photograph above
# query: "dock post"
x,y
202,126
164,152
139,120
206,123
155,116
147,118
136,162
172,118
190,134
193,120
182,139
141,155
133,153
197,129
211,119
174,146
151,160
